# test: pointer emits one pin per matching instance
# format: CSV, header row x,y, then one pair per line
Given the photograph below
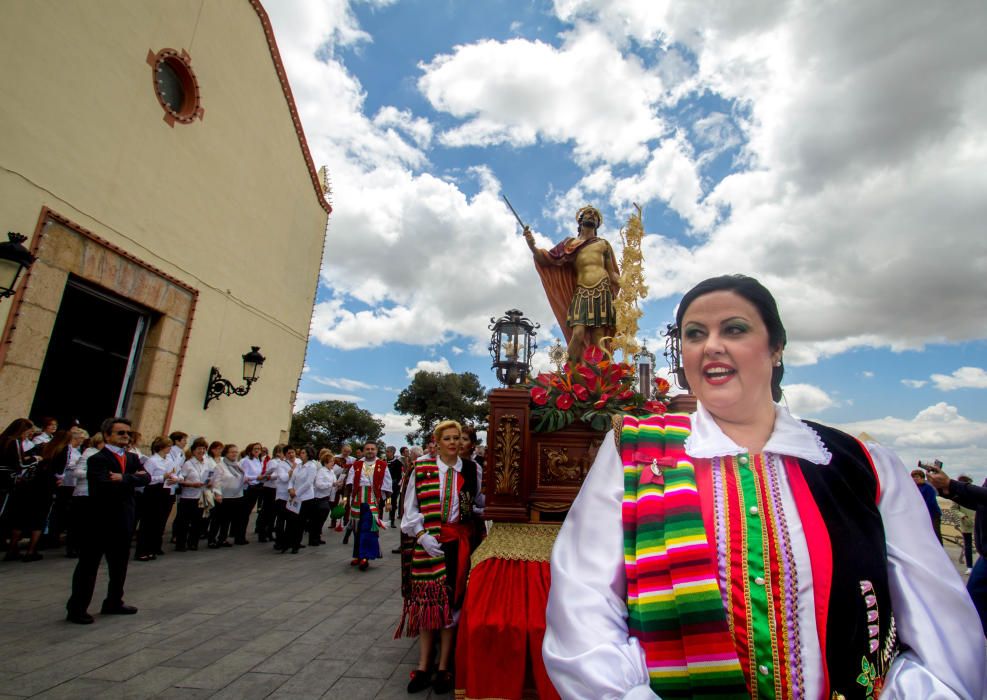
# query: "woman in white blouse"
x,y
157,493
227,486
192,479
325,489
283,462
825,578
301,492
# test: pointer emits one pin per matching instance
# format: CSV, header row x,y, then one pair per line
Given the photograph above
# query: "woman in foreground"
x,y
741,552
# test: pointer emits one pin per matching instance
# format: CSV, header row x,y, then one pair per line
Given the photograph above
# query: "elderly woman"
x,y
741,552
439,501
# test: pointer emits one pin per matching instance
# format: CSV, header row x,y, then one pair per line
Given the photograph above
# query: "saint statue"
x,y
581,279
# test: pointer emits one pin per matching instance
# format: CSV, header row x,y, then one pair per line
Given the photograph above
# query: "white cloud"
x,y
963,378
517,91
867,374
342,383
441,366
914,383
806,399
937,431
456,350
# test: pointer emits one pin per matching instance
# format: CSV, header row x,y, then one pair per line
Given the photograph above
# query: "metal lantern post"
x,y
14,259
645,362
511,346
219,386
673,354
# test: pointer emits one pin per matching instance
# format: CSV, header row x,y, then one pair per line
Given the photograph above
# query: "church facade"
x,y
153,156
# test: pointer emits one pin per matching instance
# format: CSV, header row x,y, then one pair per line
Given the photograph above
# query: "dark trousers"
x,y
77,520
976,586
167,503
59,520
223,516
264,527
94,545
968,548
250,498
296,523
188,519
280,523
150,513
319,512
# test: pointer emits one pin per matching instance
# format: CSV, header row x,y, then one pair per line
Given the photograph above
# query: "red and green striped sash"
x,y
427,607
673,600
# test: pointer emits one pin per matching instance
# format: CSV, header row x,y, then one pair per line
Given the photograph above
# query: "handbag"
x,y
207,500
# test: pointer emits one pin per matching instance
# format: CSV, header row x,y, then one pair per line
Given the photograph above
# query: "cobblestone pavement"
x,y
234,623
237,623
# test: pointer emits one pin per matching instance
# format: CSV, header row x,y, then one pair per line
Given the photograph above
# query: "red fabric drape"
x,y
501,628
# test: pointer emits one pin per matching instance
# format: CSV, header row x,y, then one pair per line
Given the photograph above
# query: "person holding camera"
x,y
974,497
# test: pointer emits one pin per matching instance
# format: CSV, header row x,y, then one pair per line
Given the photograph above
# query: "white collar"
x,y
790,437
443,467
116,450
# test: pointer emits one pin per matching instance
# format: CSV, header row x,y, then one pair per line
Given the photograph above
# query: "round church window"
x,y
175,86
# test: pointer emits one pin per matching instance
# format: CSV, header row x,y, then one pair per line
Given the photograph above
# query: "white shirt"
x,y
68,476
177,454
270,483
281,471
413,521
227,482
325,482
158,467
252,468
81,473
194,471
588,653
303,480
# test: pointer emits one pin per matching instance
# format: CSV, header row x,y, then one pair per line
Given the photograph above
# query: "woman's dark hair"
x,y
160,442
470,432
14,431
227,448
758,295
59,441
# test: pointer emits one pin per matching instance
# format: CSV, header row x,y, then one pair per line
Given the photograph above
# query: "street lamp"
x,y
511,346
673,355
645,362
14,259
218,386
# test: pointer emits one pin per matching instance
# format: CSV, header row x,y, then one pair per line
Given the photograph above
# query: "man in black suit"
x,y
113,473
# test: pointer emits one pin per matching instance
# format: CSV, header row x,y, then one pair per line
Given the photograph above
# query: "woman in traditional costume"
x,y
441,499
740,552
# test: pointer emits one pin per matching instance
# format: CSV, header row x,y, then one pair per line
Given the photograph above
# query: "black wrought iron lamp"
x,y
14,259
218,386
645,361
511,346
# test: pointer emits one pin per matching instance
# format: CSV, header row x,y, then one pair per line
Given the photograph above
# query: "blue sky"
x,y
837,153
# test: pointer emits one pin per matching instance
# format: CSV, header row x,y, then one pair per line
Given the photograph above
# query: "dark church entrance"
x,y
92,358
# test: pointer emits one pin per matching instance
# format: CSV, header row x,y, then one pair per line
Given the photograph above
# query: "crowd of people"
x,y
100,495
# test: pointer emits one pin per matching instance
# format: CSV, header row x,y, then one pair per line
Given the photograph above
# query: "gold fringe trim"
x,y
517,541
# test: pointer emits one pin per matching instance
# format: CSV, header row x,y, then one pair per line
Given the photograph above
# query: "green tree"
x,y
332,423
433,396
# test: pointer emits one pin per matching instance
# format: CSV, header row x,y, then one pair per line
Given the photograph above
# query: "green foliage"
x,y
432,397
332,423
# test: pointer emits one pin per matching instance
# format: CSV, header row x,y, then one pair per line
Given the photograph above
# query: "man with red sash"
x,y
370,484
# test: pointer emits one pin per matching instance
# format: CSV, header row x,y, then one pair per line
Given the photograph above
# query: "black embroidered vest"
x,y
861,641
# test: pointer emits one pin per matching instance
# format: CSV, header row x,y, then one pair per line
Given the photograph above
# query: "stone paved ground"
x,y
230,623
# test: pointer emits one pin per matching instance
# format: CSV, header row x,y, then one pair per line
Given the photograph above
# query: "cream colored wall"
x,y
225,204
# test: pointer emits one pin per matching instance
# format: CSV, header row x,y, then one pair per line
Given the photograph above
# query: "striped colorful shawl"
x,y
673,600
427,607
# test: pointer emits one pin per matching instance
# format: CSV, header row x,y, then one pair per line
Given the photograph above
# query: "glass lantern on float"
x,y
645,362
511,347
673,354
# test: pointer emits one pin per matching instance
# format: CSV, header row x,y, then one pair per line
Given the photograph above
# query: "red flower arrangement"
x,y
594,391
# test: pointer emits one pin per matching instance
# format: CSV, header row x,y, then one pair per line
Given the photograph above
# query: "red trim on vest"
x,y
380,468
877,479
704,485
821,553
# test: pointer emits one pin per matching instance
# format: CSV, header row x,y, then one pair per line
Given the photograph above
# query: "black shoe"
x,y
159,553
443,682
33,556
145,557
118,610
224,543
313,544
80,618
420,680
193,548
262,539
396,551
